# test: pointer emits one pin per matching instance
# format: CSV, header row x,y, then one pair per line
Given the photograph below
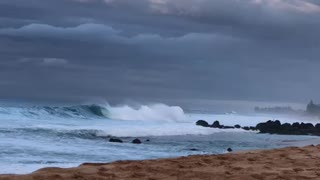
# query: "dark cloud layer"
x,y
160,49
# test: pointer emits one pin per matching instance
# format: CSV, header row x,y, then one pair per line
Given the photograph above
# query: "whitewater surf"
x,y
34,136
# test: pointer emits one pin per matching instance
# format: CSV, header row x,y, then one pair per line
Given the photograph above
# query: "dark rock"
x,y
194,149
277,123
286,126
136,141
227,127
251,128
216,124
202,123
229,150
269,126
148,140
237,126
302,125
115,140
306,126
275,127
296,125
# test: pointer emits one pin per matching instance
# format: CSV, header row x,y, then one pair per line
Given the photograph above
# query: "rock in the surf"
x,y
202,123
136,141
227,127
269,126
237,126
216,124
115,140
286,126
296,125
194,149
306,126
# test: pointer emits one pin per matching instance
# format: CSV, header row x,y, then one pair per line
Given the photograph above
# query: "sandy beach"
x,y
287,163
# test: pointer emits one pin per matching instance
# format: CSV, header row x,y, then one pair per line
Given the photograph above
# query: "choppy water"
x,y
40,136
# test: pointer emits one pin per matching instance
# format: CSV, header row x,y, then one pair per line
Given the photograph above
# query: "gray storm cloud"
x,y
160,49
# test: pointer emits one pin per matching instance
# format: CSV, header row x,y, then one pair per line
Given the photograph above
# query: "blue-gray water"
x,y
36,136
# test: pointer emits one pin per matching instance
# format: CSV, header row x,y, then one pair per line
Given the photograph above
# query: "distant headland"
x,y
311,109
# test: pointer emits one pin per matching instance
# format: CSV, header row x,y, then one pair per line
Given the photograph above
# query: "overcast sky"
x,y
252,50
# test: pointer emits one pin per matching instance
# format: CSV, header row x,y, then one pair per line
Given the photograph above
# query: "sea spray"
x,y
155,112
64,136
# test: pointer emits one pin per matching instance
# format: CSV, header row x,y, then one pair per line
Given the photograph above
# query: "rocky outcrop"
x,y
216,124
275,127
272,127
269,126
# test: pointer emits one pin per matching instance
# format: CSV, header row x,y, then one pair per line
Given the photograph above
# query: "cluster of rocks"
x,y
275,127
271,127
135,141
216,124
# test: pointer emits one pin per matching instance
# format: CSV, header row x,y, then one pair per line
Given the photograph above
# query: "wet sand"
x,y
284,164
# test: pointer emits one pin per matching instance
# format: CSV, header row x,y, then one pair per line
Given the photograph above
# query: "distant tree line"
x,y
277,109
312,109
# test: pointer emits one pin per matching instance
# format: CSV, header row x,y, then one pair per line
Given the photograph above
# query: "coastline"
x,y
285,163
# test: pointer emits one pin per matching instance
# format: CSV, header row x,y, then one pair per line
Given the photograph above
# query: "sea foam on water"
x,y
64,136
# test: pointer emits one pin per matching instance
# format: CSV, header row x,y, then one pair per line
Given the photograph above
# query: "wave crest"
x,y
154,112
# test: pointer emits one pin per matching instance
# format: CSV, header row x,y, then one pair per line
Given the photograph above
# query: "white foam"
x,y
155,112
165,129
125,121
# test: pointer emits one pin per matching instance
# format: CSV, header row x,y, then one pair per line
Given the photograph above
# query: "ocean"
x,y
36,136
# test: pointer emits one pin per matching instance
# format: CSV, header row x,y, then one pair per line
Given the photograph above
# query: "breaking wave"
x,y
155,112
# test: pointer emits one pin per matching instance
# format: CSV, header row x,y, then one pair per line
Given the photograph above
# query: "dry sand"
x,y
285,164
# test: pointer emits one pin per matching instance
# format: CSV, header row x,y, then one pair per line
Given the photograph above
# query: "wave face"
x,y
155,112
100,120
32,137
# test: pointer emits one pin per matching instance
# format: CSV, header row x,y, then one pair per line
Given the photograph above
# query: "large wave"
x,y
154,112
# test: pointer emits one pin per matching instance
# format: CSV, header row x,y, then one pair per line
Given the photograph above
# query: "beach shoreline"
x,y
285,163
